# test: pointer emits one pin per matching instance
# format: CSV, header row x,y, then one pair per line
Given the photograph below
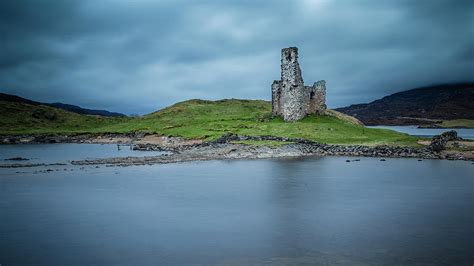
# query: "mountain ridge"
x,y
421,106
68,107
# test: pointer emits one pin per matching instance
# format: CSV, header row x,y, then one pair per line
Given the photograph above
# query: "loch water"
x,y
465,133
66,152
321,211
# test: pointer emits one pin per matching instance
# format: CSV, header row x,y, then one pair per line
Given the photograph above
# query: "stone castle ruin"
x,y
290,97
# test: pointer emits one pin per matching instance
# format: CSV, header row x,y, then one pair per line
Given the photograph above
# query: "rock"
x,y
450,135
227,137
438,142
17,159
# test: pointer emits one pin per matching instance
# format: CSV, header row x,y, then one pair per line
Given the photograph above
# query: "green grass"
x,y
199,119
458,123
19,118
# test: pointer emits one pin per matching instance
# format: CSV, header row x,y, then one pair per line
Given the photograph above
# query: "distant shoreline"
x,y
436,125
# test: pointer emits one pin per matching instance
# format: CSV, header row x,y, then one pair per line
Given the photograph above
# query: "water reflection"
x,y
289,211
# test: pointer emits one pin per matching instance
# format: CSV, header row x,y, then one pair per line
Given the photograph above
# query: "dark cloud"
x,y
138,56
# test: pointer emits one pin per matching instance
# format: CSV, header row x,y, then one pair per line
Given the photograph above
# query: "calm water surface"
x,y
64,153
466,133
287,211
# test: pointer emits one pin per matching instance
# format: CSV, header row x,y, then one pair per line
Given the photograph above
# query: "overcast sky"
x,y
137,56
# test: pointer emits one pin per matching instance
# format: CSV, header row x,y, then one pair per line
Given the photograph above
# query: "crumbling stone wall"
x,y
290,97
276,98
317,97
292,86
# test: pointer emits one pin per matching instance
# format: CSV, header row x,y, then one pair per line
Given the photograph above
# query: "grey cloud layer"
x,y
138,56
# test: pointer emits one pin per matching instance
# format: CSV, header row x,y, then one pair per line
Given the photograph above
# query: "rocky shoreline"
x,y
228,147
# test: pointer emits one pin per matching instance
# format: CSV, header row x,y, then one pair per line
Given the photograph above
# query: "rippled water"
x,y
466,133
287,211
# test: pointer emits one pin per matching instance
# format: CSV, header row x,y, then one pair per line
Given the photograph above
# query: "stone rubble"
x,y
439,142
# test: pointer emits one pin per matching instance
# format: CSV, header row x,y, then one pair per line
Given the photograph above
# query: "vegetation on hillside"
x,y
68,107
200,119
457,123
21,118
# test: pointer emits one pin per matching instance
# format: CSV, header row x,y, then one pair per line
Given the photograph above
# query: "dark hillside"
x,y
417,106
68,107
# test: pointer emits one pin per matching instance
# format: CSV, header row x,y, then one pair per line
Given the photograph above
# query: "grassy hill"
x,y
68,107
198,119
21,118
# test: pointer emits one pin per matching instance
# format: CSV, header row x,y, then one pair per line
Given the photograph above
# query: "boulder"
x,y
438,142
450,135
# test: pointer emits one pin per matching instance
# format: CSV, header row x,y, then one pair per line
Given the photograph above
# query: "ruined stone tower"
x,y
290,97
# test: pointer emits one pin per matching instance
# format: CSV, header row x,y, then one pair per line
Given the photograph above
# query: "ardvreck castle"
x,y
290,97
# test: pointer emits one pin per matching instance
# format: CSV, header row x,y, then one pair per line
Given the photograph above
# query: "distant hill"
x,y
84,111
427,105
67,107
19,116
